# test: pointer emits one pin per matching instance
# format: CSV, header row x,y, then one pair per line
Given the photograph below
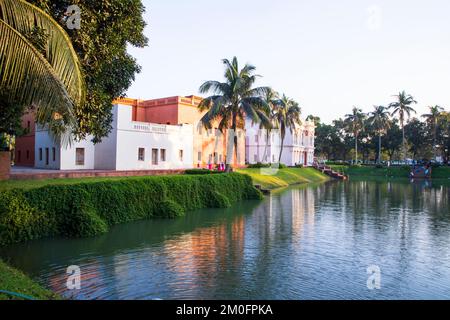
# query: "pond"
x,y
305,242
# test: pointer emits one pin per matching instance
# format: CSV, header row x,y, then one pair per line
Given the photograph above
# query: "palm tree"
x,y
44,73
380,121
403,108
232,101
270,98
286,116
432,118
355,124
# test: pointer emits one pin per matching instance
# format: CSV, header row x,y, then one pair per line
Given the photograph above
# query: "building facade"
x,y
146,135
264,147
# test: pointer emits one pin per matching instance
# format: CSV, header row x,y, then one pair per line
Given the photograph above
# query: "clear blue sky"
x,y
328,55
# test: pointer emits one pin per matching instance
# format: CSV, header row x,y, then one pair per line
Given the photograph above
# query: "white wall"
x,y
43,141
64,156
106,151
68,156
296,143
133,135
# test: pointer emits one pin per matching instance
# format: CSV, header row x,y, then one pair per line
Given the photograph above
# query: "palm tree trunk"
x,y
379,148
281,147
264,159
231,145
356,149
403,143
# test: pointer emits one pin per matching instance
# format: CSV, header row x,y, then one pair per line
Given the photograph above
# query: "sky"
x,y
328,55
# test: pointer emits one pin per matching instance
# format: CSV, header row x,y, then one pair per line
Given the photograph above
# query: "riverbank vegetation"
x,y
269,178
82,209
390,172
387,133
14,281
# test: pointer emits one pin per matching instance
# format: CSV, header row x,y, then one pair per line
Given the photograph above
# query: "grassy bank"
x,y
88,208
15,281
391,172
284,177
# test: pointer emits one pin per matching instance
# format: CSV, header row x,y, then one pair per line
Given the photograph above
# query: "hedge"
x,y
91,208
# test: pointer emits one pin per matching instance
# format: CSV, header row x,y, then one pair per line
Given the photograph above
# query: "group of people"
x,y
210,166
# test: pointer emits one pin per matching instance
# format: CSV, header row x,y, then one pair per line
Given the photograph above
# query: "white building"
x,y
131,145
298,146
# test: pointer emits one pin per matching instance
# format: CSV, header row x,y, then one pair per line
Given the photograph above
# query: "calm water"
x,y
312,242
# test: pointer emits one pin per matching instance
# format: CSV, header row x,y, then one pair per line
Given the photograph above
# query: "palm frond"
x,y
24,17
29,78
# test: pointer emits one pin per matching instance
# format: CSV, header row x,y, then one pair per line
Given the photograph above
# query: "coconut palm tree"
x,y
403,108
39,71
432,118
354,123
286,115
379,119
232,101
270,98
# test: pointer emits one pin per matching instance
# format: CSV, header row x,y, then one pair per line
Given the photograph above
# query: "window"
x,y
54,154
220,158
28,154
40,154
199,156
256,138
29,126
141,154
19,155
46,156
163,154
255,158
216,158
180,154
79,156
155,157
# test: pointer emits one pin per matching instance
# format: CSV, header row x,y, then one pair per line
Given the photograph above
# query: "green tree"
x,y
443,135
107,28
39,67
393,139
270,97
402,108
232,101
355,124
379,119
418,138
286,116
432,119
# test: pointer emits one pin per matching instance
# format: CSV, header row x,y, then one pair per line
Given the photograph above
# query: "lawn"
x,y
15,281
269,180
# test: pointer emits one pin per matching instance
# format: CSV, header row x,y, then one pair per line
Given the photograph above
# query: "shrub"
x,y
169,209
259,165
201,171
379,166
218,200
299,166
89,209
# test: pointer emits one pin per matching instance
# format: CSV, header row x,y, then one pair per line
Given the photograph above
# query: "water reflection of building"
x,y
196,260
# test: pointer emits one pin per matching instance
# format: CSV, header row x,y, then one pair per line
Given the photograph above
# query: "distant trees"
x,y
403,136
402,108
355,124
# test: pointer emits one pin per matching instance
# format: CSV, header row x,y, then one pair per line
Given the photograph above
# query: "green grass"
x,y
391,172
284,177
13,280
